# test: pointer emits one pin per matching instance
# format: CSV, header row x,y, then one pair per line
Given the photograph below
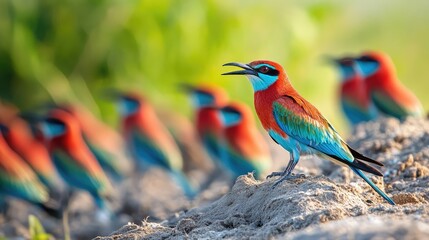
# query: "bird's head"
x,y
346,66
205,96
234,113
261,73
230,116
370,63
128,103
57,123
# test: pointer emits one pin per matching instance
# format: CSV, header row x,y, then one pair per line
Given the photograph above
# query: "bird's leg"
x,y
286,173
287,170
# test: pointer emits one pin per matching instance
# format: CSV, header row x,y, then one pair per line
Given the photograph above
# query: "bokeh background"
x,y
72,50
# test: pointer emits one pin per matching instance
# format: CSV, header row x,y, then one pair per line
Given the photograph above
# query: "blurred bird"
x,y
106,145
245,148
296,124
149,141
17,179
386,91
72,157
355,100
18,136
208,123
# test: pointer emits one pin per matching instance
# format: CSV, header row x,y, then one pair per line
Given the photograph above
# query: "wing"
x,y
17,179
390,106
147,152
77,175
303,122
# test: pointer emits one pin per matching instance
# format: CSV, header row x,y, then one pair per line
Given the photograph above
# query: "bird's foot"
x,y
281,180
287,177
275,174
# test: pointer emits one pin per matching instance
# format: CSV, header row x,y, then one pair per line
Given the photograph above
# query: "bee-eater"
x,y
18,136
72,157
208,123
245,148
17,179
149,141
354,97
104,143
386,91
296,124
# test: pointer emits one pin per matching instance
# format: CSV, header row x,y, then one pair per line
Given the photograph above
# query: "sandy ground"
x,y
322,201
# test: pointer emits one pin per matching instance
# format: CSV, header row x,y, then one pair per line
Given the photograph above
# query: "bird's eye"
x,y
264,69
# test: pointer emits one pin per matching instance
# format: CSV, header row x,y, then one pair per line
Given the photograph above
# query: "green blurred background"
x,y
71,50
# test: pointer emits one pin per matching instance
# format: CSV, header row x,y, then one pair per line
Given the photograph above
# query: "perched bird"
x,y
245,148
207,120
106,145
17,179
386,91
18,136
354,97
296,124
72,157
149,141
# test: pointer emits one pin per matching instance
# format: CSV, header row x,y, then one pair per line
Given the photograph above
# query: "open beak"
x,y
247,70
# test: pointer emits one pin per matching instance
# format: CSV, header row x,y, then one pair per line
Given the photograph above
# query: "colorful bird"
x,y
149,141
208,123
18,136
386,91
17,179
296,124
245,148
106,145
72,157
355,100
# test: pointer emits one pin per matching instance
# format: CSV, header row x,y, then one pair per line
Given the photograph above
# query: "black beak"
x,y
248,70
330,59
112,94
187,88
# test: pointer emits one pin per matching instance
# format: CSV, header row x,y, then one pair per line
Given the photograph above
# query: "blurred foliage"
x,y
37,232
73,49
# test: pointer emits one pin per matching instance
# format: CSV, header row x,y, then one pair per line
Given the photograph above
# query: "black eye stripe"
x,y
55,121
230,110
271,71
367,59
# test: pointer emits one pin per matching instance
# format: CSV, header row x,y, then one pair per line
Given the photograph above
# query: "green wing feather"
x,y
303,122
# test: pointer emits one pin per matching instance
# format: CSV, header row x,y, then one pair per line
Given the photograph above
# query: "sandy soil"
x,y
322,200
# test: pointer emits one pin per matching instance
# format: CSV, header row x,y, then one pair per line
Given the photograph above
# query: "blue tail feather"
x,y
378,190
183,182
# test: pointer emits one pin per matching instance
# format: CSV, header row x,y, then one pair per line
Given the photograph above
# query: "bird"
x,y
244,147
17,179
386,91
354,97
72,158
209,126
105,143
149,141
20,139
297,125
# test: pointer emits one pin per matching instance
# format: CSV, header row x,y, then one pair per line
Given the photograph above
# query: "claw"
x,y
275,174
280,181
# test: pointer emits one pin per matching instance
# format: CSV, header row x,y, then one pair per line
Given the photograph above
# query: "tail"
x,y
183,182
378,190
